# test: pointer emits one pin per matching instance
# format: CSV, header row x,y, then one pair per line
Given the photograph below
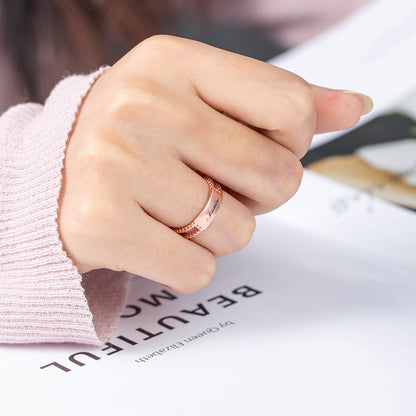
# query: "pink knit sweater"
x,y
43,298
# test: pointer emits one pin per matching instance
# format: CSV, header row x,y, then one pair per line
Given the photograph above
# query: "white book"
x,y
317,316
324,329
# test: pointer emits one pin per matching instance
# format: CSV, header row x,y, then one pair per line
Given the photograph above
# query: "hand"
x,y
167,109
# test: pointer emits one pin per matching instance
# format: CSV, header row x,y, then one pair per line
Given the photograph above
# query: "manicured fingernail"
x,y
366,100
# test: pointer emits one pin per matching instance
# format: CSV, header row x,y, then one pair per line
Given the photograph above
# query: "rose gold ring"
x,y
204,219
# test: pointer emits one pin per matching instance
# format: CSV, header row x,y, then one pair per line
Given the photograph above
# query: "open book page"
x,y
292,323
359,219
370,52
317,316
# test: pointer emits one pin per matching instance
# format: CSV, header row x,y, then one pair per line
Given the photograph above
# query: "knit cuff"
x,y
43,298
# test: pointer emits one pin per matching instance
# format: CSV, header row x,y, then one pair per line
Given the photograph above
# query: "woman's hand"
x,y
169,108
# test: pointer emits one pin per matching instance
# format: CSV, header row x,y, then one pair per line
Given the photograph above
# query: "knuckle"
x,y
246,225
292,174
205,272
122,105
300,104
137,106
304,97
200,277
156,40
104,163
98,159
90,231
87,214
299,124
238,232
303,104
77,227
284,175
301,142
307,120
157,46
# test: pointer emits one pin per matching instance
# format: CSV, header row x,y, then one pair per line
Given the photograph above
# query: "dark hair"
x,y
46,39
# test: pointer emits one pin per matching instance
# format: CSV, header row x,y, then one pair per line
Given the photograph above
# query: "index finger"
x,y
272,99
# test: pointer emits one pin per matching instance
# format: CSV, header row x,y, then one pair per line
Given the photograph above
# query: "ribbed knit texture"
x,y
43,298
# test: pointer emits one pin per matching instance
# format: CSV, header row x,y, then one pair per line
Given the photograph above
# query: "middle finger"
x,y
260,172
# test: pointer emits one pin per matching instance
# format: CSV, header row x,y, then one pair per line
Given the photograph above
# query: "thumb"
x,y
339,110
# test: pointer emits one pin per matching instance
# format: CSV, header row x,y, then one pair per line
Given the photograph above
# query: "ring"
x,y
204,219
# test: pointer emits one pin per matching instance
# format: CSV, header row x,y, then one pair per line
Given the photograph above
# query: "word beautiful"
x,y
168,322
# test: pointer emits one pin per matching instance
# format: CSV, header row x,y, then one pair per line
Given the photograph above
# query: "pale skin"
x,y
171,108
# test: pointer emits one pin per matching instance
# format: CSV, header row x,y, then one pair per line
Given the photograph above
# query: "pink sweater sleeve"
x,y
43,298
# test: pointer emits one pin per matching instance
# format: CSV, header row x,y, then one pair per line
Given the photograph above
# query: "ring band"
x,y
204,219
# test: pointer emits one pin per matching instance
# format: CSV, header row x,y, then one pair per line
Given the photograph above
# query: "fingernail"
x,y
365,99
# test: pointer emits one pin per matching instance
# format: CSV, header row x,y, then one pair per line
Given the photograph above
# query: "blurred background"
x,y
41,41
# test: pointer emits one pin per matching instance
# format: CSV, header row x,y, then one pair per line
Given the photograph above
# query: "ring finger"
x,y
177,194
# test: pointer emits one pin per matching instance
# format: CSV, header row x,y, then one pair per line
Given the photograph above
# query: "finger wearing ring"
x,y
205,218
